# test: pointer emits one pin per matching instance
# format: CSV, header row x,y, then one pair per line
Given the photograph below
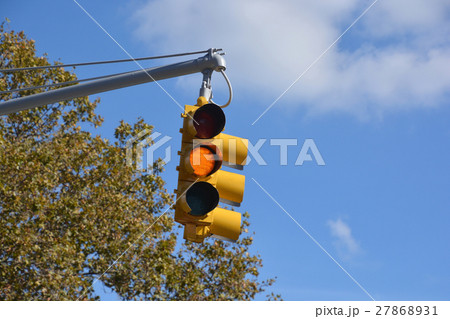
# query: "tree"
x,y
70,207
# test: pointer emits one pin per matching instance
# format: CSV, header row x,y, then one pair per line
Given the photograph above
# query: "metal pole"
x,y
212,60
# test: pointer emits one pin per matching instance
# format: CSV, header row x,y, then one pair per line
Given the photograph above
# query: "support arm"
x,y
212,60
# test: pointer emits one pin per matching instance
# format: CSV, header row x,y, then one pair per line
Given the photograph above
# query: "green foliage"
x,y
70,207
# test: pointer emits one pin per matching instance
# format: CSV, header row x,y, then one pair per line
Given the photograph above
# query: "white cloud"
x,y
396,57
345,242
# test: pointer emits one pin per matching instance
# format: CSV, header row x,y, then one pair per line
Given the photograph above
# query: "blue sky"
x,y
375,104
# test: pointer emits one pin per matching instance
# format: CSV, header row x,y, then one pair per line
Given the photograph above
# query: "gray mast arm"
x,y
211,61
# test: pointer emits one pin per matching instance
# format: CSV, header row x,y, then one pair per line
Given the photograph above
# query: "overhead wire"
x,y
85,64
102,62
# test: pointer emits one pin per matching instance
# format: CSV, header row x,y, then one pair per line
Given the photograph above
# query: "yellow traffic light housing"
x,y
201,182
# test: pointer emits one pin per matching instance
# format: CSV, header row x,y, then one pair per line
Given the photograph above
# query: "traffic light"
x,y
201,181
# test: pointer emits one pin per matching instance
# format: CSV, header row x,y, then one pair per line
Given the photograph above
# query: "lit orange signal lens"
x,y
204,161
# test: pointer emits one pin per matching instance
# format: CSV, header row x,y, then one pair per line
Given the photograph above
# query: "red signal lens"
x,y
209,120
